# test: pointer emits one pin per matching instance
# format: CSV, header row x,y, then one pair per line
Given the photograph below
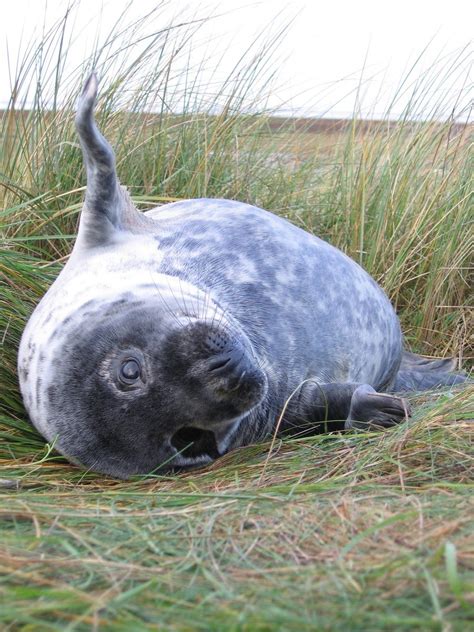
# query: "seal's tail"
x,y
417,373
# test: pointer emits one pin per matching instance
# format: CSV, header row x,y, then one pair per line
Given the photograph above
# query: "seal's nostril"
x,y
219,362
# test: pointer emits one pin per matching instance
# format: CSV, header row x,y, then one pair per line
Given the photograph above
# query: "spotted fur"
x,y
228,310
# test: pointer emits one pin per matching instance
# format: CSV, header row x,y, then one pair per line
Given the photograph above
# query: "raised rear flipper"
x,y
421,374
414,362
425,381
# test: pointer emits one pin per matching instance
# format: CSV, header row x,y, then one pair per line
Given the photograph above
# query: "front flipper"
x,y
341,406
372,410
108,210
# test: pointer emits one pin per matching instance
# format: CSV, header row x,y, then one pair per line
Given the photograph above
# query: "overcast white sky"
x,y
322,56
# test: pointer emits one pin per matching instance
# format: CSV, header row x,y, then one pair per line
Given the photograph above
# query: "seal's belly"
x,y
307,307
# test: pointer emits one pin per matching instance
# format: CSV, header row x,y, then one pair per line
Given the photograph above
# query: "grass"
x,y
335,532
368,532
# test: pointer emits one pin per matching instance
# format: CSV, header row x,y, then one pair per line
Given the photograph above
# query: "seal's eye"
x,y
129,371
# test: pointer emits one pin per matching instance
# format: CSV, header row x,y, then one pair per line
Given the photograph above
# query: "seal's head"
x,y
128,370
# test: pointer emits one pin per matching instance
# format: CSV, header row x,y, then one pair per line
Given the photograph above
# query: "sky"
x,y
334,56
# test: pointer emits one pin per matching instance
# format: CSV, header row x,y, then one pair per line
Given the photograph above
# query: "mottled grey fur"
x,y
174,336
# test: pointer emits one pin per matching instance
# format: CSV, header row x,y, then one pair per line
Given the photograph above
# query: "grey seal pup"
x,y
173,336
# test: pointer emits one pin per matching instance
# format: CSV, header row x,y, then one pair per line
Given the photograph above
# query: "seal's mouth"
x,y
192,442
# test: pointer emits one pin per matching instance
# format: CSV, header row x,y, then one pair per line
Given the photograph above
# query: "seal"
x,y
173,336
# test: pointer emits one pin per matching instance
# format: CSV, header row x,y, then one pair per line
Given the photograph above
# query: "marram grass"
x,y
336,533
367,531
